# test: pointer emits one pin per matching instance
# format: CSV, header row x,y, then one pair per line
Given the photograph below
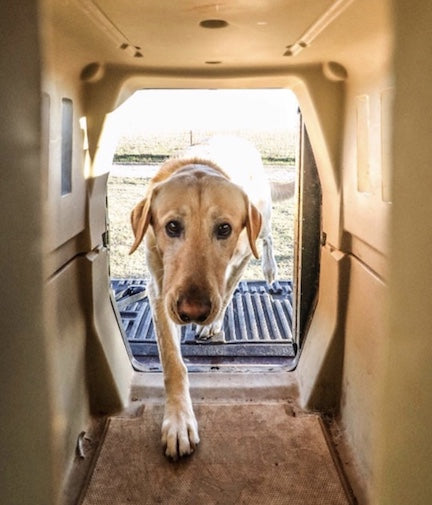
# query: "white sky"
x,y
174,110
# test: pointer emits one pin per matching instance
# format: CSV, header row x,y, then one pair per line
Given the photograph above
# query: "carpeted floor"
x,y
249,454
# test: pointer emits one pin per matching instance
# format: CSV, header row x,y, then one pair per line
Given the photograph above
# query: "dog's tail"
x,y
282,190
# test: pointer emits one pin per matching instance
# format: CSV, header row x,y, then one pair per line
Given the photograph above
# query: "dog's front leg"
x,y
269,266
179,426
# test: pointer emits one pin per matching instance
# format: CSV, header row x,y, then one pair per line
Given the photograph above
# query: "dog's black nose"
x,y
191,309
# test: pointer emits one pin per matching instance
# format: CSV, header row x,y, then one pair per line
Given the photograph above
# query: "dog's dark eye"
x,y
173,229
223,230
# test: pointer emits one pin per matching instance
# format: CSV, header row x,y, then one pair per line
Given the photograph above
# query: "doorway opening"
x,y
259,327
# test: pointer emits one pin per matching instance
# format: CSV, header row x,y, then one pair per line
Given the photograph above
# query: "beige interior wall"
x,y
62,355
364,356
26,455
345,348
366,235
404,448
382,327
91,369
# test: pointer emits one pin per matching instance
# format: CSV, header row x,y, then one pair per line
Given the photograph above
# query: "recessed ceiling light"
x,y
213,23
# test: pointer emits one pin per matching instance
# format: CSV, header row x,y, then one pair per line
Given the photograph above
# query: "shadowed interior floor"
x,y
249,454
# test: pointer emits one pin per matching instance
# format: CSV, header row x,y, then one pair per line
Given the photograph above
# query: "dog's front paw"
x,y
179,431
211,332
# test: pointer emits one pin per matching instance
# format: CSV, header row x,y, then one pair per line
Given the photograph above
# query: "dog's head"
x,y
198,226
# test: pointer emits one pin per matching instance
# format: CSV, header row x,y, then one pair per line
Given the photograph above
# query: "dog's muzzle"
x,y
193,309
193,304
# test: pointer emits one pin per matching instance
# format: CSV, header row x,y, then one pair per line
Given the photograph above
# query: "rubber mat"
x,y
258,323
249,454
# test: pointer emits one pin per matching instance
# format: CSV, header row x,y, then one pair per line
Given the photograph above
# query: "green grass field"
x,y
125,191
276,147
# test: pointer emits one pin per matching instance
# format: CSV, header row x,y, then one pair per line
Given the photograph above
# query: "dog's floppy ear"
x,y
253,227
140,219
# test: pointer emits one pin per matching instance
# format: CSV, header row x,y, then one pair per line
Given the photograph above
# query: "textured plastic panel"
x,y
258,322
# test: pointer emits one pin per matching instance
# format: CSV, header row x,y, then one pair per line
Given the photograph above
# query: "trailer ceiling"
x,y
238,35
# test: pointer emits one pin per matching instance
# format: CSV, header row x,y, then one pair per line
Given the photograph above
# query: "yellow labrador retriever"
x,y
201,217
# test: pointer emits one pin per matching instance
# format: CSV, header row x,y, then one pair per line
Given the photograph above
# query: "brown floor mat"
x,y
249,454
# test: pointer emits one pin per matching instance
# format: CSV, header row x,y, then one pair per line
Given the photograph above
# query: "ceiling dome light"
x,y
213,23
